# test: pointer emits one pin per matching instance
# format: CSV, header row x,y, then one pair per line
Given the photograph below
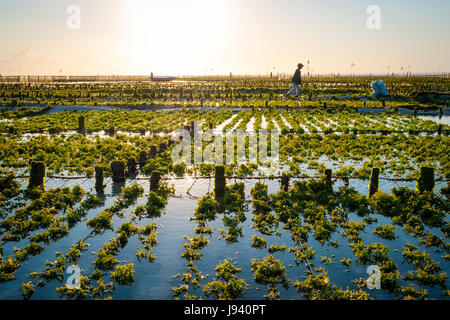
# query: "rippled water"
x,y
155,281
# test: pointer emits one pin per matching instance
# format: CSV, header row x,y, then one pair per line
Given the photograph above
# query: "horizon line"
x,y
274,76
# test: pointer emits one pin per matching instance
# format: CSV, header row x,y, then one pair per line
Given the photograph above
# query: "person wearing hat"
x,y
296,81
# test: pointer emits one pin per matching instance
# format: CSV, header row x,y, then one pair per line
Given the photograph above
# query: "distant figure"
x,y
379,89
296,81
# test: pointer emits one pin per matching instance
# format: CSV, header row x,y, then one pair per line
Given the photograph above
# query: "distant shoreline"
x,y
144,78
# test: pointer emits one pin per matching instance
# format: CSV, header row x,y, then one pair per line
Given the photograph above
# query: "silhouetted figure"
x,y
296,81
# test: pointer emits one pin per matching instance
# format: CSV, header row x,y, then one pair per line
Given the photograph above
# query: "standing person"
x,y
296,81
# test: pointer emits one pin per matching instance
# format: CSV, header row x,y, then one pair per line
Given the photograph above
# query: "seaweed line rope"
x,y
241,178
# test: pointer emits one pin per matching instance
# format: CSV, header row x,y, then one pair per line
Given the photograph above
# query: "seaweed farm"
x,y
353,202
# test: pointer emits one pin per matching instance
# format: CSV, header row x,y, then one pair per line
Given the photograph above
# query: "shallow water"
x,y
441,120
155,280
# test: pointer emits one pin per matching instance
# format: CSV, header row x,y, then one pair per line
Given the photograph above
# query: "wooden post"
x,y
415,112
219,182
328,174
131,165
142,159
153,152
111,131
99,178
118,171
425,182
154,180
439,131
81,127
192,128
441,112
285,181
37,174
142,132
374,182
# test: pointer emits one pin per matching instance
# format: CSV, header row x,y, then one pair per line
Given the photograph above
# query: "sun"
x,y
175,35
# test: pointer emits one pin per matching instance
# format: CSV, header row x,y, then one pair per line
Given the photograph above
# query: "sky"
x,y
197,37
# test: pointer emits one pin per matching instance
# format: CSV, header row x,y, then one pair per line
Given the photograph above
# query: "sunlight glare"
x,y
174,35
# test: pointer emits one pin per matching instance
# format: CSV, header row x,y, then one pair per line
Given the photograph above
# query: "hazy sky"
x,y
222,36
